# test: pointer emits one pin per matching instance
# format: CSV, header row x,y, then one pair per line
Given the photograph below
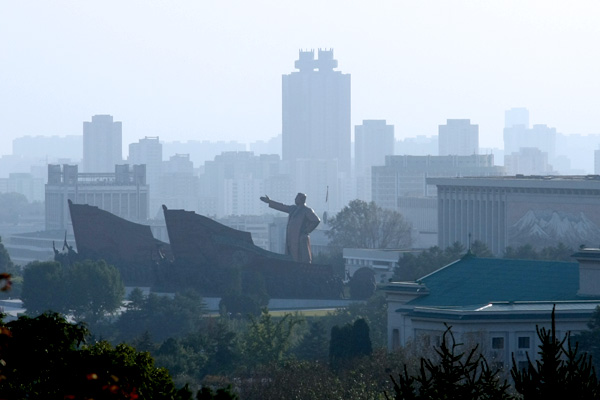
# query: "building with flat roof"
x,y
149,151
406,175
458,138
495,303
517,210
316,111
102,144
373,140
123,192
516,116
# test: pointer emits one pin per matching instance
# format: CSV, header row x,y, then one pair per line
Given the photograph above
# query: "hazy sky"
x,y
211,70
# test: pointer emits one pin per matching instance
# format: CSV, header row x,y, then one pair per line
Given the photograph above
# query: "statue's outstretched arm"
x,y
276,205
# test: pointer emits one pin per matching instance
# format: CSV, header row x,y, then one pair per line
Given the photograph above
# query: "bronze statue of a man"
x,y
302,221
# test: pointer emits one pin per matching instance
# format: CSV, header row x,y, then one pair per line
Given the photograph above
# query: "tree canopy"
x,y
366,225
86,290
47,358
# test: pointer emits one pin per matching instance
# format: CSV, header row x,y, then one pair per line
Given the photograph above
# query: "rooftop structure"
x,y
498,301
123,193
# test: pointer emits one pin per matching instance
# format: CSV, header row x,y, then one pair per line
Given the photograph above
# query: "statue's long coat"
x,y
302,221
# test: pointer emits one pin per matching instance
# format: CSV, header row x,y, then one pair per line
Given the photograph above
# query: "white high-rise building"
x,y
316,111
316,130
540,136
149,151
102,144
373,140
458,138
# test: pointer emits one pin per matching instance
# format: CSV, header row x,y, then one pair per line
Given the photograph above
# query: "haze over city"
x,y
212,71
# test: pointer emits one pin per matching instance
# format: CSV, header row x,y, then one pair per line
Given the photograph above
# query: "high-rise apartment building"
x,y
102,144
540,136
458,138
148,151
316,111
373,140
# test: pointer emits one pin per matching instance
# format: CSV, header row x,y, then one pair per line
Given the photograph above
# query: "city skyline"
x,y
213,72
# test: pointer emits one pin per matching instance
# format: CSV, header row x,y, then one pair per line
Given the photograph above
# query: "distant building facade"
x,y
201,151
316,125
373,141
123,192
178,185
316,111
148,151
405,176
517,116
517,210
527,161
102,144
49,147
236,180
24,183
458,138
540,136
419,145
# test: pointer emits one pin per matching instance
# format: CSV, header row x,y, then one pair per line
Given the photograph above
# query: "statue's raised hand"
x,y
265,198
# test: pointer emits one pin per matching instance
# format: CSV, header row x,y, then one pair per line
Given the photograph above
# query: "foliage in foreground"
x,y
562,372
47,357
454,375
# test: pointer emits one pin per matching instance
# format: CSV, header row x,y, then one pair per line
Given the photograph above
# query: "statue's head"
x,y
300,199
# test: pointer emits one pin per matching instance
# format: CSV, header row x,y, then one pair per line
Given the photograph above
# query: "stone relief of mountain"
x,y
548,228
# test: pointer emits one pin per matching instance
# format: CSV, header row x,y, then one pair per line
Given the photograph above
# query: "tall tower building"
x,y
102,144
458,138
373,140
149,151
316,111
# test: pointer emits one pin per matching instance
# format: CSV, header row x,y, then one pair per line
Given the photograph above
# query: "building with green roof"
x,y
496,302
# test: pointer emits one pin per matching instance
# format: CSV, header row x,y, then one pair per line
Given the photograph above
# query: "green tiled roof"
x,y
478,281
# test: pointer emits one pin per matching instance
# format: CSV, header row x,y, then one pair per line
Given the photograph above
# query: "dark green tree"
x,y
268,339
92,290
87,290
315,344
560,252
412,267
560,373
43,287
10,275
523,252
207,393
349,342
589,341
366,225
47,358
6,264
480,249
162,317
454,374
